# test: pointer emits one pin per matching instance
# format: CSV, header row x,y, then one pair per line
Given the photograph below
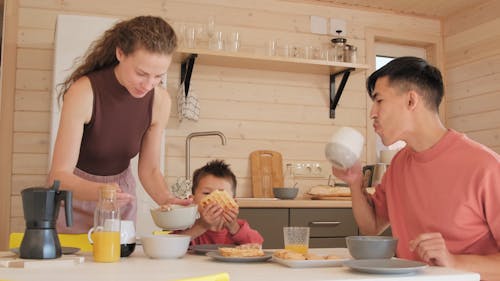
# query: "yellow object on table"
x,y
67,240
224,276
161,232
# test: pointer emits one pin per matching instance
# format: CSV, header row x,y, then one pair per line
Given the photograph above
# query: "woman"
x,y
112,110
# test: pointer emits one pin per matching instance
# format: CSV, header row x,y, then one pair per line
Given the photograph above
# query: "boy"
x,y
217,225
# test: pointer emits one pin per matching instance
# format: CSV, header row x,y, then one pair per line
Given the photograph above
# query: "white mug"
x,y
344,148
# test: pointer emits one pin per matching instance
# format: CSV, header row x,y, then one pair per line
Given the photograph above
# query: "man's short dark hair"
x,y
218,169
411,73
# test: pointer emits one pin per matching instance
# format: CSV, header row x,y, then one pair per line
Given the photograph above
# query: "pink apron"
x,y
83,211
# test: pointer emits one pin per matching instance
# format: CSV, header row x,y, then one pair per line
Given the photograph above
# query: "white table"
x,y
139,267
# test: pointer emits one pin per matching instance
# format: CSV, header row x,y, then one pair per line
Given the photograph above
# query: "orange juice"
x,y
106,246
298,248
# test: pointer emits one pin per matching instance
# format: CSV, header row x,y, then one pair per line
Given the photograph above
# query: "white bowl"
x,y
170,246
177,218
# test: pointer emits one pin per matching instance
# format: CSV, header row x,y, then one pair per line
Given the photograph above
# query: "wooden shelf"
x,y
187,57
273,63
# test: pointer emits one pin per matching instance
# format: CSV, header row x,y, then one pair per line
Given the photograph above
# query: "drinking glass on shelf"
x,y
233,42
190,37
308,52
211,27
272,46
216,42
180,31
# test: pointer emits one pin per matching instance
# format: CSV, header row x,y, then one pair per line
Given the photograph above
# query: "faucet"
x,y
188,144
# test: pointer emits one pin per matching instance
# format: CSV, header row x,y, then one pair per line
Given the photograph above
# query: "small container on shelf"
x,y
337,50
350,53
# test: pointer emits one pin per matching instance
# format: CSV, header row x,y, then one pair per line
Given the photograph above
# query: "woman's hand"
x,y
183,202
122,198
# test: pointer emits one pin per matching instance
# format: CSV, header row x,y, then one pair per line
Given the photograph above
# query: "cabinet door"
x,y
269,222
325,223
337,242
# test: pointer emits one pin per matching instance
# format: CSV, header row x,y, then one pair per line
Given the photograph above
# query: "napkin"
x,y
223,276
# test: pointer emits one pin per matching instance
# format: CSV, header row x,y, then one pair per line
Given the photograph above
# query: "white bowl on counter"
x,y
170,246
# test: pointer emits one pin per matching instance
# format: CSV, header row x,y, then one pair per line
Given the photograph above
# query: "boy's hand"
x,y
230,217
211,216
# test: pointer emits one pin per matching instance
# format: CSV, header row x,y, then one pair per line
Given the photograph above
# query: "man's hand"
x,y
352,176
431,248
230,217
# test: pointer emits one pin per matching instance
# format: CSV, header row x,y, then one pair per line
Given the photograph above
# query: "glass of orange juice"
x,y
296,238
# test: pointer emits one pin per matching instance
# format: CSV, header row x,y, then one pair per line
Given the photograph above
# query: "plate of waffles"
x,y
292,259
219,257
205,248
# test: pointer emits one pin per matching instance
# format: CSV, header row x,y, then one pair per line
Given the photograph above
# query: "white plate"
x,y
385,266
219,257
309,263
205,248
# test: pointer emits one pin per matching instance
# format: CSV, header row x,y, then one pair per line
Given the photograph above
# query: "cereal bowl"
x,y
176,217
171,246
371,247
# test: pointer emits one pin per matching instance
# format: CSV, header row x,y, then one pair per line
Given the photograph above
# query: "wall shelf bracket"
x,y
335,95
187,66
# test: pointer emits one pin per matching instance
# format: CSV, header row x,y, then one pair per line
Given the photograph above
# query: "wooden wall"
x,y
472,63
255,109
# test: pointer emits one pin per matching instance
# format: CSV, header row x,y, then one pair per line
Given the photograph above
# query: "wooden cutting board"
x,y
267,172
63,261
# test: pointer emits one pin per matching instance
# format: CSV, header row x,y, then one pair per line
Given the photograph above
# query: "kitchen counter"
x,y
297,203
139,267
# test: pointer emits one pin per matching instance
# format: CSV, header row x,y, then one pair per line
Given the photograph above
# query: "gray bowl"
x,y
285,192
371,247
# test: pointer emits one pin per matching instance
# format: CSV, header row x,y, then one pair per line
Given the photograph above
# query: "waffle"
x,y
291,255
220,197
245,250
325,190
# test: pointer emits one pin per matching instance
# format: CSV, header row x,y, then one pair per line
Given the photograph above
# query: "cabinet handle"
x,y
324,223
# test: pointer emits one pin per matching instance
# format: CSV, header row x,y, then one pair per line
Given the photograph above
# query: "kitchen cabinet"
x,y
269,222
329,226
275,63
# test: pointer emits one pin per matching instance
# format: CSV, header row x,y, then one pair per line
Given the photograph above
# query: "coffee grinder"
x,y
41,208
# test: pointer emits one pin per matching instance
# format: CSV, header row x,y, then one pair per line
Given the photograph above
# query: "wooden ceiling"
x,y
425,8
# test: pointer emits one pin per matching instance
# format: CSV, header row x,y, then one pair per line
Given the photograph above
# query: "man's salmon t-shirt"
x,y
452,188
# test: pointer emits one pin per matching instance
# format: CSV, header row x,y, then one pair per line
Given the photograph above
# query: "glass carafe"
x,y
106,230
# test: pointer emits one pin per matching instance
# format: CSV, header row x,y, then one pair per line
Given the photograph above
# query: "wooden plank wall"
x,y
255,109
472,63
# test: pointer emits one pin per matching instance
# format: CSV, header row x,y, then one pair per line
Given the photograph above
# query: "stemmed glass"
x,y
211,27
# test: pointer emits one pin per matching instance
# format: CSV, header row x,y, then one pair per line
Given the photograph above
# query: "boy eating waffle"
x,y
214,186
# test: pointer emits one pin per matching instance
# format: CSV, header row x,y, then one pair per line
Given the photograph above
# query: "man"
x,y
441,193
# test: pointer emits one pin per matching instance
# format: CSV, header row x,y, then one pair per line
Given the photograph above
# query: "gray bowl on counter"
x,y
287,193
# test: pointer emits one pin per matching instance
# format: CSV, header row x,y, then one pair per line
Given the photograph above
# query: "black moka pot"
x,y
41,208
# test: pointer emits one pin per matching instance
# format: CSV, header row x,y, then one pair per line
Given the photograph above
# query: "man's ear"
x,y
413,100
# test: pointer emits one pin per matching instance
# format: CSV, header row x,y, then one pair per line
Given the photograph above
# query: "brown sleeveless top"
x,y
118,123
